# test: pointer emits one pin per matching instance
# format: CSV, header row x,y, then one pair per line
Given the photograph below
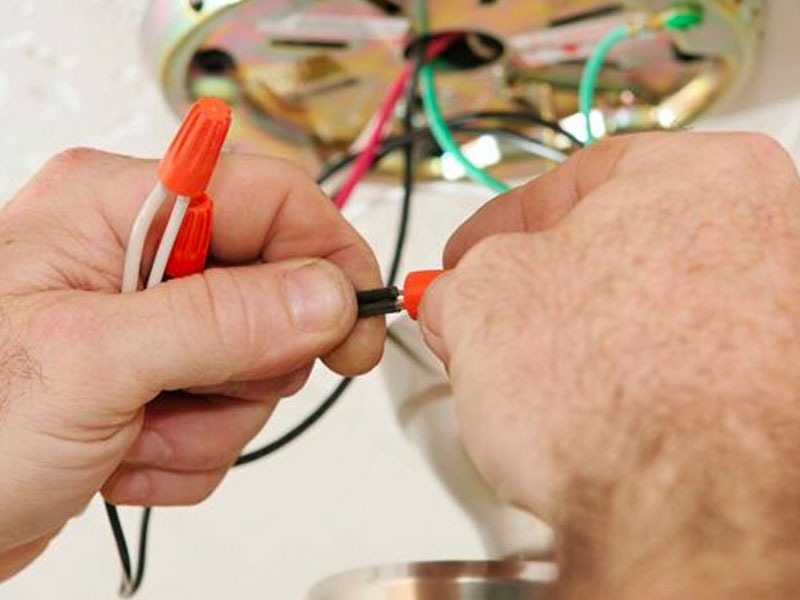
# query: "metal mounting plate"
x,y
305,76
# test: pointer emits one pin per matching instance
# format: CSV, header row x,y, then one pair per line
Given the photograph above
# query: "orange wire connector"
x,y
190,251
189,162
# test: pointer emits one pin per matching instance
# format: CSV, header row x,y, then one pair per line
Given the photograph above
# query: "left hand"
x,y
92,382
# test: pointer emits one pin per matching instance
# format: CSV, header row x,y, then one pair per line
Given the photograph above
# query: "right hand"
x,y
622,339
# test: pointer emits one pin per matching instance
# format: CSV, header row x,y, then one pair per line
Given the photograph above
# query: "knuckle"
x,y
499,283
70,161
759,178
484,275
291,170
758,157
66,167
500,255
292,175
301,183
764,148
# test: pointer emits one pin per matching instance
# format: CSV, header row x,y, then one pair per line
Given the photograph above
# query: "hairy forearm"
x,y
702,519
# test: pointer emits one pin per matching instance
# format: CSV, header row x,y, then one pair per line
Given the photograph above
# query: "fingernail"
x,y
315,297
132,487
149,448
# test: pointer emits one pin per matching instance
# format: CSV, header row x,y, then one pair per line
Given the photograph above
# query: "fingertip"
x,y
158,487
127,487
362,351
431,314
431,309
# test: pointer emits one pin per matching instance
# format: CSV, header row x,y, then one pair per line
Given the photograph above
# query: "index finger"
x,y
269,209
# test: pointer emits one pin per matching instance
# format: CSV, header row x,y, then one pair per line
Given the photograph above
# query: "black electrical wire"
x,y
459,123
408,165
122,544
299,429
513,116
402,235
131,580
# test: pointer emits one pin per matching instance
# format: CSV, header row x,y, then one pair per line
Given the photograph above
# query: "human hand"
x,y
622,339
92,382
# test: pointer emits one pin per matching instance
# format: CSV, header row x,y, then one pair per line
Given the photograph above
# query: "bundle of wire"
x,y
367,156
376,149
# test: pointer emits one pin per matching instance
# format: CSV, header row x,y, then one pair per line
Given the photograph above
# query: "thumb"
x,y
239,323
432,314
488,295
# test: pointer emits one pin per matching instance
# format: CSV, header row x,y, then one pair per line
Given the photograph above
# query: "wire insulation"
x,y
167,242
458,123
141,226
367,156
521,141
132,579
445,139
591,72
437,123
681,16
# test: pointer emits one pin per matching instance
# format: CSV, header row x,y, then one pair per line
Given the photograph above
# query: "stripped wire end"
x,y
387,300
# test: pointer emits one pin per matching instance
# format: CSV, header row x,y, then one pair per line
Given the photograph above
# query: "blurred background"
x,y
381,479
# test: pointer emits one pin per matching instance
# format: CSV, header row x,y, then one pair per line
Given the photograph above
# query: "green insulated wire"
x,y
679,17
433,112
444,138
591,72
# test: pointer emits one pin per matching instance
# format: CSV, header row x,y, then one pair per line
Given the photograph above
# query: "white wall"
x,y
355,491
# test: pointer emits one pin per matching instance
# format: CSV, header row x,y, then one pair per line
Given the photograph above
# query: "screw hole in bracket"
x,y
213,61
471,50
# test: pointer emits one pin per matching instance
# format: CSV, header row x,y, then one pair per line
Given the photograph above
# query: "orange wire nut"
x,y
190,251
414,288
383,301
189,162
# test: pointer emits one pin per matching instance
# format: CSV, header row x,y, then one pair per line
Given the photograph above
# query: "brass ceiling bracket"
x,y
305,76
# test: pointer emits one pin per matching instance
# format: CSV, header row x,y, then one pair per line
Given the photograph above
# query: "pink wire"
x,y
367,156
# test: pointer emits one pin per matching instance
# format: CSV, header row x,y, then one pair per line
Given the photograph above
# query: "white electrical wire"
x,y
168,241
136,240
533,147
130,283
